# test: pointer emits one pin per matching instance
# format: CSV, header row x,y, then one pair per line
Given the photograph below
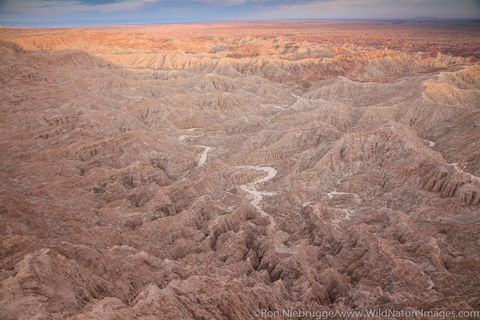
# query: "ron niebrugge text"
x,y
368,313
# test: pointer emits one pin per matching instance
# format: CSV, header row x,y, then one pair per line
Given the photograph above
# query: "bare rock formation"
x,y
208,171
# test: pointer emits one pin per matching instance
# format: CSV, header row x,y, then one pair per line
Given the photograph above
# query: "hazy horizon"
x,y
233,21
76,13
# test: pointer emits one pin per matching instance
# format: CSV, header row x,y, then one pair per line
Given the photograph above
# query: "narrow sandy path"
x,y
431,144
251,188
333,193
472,176
203,157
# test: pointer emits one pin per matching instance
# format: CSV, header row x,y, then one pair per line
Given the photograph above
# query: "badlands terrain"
x,y
208,171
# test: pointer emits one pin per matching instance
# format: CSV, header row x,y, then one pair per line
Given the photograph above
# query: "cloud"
x,y
59,7
375,9
101,12
253,3
39,6
224,2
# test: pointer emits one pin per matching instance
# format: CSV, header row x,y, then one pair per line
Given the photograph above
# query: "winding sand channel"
x,y
251,188
203,157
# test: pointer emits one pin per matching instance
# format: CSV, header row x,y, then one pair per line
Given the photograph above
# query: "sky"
x,y
66,13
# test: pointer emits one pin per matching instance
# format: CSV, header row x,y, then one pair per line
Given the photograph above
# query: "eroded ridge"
x,y
121,198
